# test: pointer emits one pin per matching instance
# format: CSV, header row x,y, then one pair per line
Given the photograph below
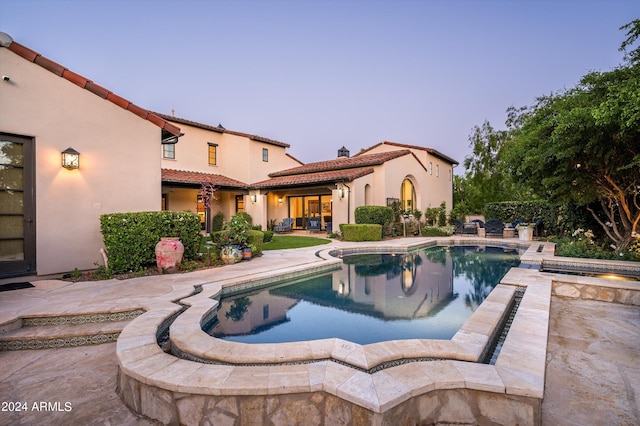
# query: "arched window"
x,y
367,195
407,195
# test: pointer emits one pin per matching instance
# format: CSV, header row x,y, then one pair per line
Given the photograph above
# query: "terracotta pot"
x,y
169,251
231,253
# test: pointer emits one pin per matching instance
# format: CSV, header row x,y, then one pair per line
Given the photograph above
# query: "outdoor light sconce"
x,y
341,193
253,198
70,159
279,199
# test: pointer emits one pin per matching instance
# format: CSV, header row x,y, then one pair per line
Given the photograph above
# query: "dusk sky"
x,y
322,74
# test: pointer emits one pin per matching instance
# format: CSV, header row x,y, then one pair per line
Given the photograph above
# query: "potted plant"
x,y
233,238
525,231
247,251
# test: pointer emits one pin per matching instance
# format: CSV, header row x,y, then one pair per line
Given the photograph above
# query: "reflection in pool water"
x,y
425,294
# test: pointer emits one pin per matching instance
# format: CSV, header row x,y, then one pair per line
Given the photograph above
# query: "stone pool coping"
x,y
339,368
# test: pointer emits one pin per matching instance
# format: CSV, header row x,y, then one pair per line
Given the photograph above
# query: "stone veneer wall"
x,y
455,406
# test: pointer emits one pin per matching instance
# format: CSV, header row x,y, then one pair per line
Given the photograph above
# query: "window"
x,y
169,151
407,195
437,170
213,154
430,168
265,154
239,203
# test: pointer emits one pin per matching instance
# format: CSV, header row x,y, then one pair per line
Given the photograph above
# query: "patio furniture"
x,y
538,227
459,224
285,226
313,224
478,222
493,228
470,228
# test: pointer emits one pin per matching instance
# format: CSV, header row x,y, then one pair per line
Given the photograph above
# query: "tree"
x,y
486,179
583,145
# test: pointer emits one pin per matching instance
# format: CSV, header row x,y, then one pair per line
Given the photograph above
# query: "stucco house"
x,y
132,159
256,175
227,159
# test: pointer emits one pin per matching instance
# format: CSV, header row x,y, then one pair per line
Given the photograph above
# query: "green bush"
x,y
217,222
268,236
130,238
216,237
246,216
380,215
433,231
362,232
256,239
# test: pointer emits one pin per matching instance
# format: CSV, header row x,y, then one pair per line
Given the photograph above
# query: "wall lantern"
x,y
341,193
253,198
70,159
279,199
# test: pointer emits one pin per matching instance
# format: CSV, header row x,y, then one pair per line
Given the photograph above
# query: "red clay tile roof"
x,y
220,129
78,80
343,163
330,176
431,151
196,178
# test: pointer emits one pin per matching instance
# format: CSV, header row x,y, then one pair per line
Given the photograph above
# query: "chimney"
x,y
343,152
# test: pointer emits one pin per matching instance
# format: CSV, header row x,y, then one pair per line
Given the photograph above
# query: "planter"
x,y
525,233
231,253
247,253
169,251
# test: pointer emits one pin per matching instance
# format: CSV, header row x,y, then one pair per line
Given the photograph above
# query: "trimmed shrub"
x,y
363,232
268,236
256,238
218,222
130,238
381,215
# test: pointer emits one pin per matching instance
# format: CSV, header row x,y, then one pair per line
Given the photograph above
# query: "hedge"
x,y
529,211
256,238
268,236
218,222
130,238
363,232
381,215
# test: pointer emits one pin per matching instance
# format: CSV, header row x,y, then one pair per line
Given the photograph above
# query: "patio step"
x,y
66,331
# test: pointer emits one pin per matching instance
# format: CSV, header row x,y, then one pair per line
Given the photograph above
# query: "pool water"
x,y
426,294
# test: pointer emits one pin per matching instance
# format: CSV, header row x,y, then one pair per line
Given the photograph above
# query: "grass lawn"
x,y
280,242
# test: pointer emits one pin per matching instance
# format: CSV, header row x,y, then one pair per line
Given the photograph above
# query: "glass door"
x,y
17,206
302,208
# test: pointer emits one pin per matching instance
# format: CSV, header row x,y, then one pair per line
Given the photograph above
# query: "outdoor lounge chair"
x,y
285,226
459,225
470,228
313,224
494,228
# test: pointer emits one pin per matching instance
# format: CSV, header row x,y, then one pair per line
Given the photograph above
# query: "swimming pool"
x,y
424,294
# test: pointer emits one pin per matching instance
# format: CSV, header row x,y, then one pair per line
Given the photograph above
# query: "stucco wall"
x,y
238,157
119,163
436,183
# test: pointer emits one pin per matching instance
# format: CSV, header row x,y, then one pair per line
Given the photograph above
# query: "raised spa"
x,y
424,294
